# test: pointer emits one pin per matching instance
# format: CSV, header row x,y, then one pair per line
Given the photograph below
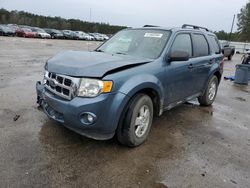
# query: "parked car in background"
x,y
138,74
89,37
40,33
104,36
25,32
82,36
55,34
227,50
6,31
97,36
68,34
79,35
15,27
29,31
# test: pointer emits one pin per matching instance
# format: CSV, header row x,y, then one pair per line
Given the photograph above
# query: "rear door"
x,y
202,61
215,49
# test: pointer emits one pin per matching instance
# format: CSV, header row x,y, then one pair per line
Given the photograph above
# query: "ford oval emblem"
x,y
53,83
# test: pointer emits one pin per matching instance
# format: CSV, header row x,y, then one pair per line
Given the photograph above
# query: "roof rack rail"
x,y
194,27
150,26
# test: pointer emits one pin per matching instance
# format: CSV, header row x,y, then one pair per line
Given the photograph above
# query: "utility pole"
x,y
232,28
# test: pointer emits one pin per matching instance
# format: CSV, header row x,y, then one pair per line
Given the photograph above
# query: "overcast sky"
x,y
214,14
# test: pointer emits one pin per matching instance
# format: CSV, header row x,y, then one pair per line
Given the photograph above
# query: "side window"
x,y
182,43
214,44
200,45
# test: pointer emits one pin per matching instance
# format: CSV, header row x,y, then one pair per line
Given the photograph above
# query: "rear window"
x,y
201,47
214,44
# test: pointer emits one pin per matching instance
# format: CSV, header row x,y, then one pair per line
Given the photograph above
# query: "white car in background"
x,y
104,36
97,36
40,33
89,37
83,36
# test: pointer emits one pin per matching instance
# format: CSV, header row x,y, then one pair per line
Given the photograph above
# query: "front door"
x,y
179,78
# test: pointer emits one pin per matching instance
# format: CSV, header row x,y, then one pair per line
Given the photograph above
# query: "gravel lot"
x,y
189,146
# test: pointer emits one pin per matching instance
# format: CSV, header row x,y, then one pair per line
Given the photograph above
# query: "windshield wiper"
x,y
98,50
121,53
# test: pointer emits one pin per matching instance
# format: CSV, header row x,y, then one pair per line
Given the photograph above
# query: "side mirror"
x,y
178,56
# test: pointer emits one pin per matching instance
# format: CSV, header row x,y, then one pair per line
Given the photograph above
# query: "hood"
x,y
42,33
91,64
30,32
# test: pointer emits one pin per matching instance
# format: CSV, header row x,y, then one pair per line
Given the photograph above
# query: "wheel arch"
x,y
155,97
146,84
218,75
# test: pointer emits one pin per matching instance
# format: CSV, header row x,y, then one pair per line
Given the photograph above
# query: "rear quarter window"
x,y
201,47
214,43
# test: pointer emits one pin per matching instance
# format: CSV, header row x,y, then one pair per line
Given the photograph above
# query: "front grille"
x,y
61,85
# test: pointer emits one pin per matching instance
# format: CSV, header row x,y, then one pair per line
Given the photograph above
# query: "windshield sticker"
x,y
153,35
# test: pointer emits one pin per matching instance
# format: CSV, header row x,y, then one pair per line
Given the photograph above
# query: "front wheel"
x,y
135,125
209,96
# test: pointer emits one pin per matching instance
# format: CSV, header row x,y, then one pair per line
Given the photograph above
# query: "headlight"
x,y
46,75
92,87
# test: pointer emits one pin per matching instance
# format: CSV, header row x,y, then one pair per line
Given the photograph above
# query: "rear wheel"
x,y
135,125
209,96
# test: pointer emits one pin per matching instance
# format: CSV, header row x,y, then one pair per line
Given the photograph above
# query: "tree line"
x,y
25,18
222,35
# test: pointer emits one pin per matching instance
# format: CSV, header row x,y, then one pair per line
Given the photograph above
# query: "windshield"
x,y
5,28
27,30
56,31
137,42
38,30
67,31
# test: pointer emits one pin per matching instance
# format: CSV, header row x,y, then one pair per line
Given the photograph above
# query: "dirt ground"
x,y
189,146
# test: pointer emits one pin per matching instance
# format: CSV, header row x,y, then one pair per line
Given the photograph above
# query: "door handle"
x,y
190,66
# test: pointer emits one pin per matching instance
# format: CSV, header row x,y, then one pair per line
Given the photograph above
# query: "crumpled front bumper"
x,y
106,107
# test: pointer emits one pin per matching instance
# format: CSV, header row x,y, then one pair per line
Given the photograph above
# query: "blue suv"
x,y
118,88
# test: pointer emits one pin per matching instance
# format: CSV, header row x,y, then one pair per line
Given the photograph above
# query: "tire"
x,y
210,94
229,57
135,124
